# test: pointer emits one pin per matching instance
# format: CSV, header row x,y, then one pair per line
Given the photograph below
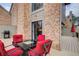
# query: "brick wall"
x,y
4,17
52,23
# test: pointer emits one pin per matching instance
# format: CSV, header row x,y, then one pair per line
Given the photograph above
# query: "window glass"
x,y
36,6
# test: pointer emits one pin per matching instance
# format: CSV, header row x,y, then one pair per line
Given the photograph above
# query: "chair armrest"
x,y
8,46
45,47
9,53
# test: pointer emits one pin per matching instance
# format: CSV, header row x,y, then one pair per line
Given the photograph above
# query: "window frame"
x,y
36,8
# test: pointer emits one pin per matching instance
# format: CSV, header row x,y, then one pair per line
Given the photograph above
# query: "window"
x,y
36,6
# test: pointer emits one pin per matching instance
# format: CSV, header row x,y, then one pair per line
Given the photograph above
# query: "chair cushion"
x,y
41,37
2,49
15,52
17,38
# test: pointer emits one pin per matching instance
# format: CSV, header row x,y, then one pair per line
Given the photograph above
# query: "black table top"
x,y
26,47
23,46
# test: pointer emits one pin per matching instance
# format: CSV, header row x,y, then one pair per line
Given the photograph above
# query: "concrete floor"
x,y
62,53
69,43
69,47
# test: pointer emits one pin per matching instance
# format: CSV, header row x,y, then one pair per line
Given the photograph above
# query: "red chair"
x,y
47,46
73,28
17,39
11,52
41,37
42,48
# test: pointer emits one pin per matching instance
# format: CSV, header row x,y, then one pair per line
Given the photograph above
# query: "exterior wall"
x,y
49,14
52,23
12,30
17,17
14,14
5,22
4,17
37,15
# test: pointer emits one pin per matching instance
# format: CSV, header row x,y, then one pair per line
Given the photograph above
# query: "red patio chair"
x,y
18,38
11,52
41,37
42,48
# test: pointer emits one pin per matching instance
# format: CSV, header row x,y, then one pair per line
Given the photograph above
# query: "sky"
x,y
74,7
7,6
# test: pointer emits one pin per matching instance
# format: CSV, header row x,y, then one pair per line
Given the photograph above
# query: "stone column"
x,y
52,23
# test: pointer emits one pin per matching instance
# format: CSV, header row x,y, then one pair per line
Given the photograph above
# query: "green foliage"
x,y
74,19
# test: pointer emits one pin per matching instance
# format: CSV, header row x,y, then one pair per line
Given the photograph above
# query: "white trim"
x,y
43,22
60,24
61,10
36,11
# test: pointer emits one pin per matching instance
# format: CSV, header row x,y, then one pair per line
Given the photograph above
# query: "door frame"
x,y
32,27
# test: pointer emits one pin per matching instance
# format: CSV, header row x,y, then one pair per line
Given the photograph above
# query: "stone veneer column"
x,y
52,24
20,21
27,21
14,14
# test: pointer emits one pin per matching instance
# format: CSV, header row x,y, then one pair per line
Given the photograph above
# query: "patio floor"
x,y
62,53
69,46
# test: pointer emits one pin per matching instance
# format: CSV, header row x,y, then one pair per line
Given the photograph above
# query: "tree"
x,y
74,19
